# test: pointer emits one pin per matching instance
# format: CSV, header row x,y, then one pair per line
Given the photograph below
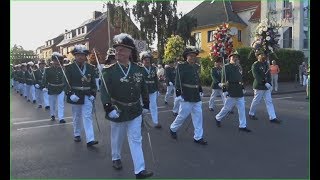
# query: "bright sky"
x,y
34,22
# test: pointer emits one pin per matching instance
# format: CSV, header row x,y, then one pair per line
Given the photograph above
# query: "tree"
x,y
19,55
174,49
184,28
157,19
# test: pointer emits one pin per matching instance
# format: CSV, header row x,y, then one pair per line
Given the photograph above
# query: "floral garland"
x,y
266,37
222,44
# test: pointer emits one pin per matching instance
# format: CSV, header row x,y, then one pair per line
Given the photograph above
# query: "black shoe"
x,y
144,174
165,102
34,101
175,114
62,121
211,109
20,94
28,100
53,118
77,139
201,141
253,117
173,134
158,126
40,106
275,120
231,112
47,107
218,123
244,129
91,143
117,164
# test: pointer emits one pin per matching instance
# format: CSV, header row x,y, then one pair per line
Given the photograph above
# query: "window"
x,y
287,9
272,5
287,38
306,40
197,37
239,35
81,30
210,35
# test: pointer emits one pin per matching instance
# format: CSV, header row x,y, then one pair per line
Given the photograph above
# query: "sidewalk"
x,y
283,88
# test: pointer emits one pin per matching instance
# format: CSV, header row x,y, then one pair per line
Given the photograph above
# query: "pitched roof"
x,y
66,41
56,41
238,6
256,15
215,13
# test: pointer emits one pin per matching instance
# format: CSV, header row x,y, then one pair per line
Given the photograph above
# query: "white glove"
x,y
144,111
225,94
201,94
74,98
45,90
25,84
113,114
268,85
37,86
158,93
220,85
91,98
170,83
179,98
244,91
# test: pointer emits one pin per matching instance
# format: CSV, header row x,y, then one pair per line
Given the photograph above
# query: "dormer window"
x,y
81,30
68,35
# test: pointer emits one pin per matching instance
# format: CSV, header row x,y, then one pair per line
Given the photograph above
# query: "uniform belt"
x,y
81,88
190,85
125,104
149,82
29,79
56,84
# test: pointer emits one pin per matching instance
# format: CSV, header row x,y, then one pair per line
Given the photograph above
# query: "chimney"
x,y
66,30
96,14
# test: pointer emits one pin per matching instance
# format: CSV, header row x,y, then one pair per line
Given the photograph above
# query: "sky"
x,y
34,22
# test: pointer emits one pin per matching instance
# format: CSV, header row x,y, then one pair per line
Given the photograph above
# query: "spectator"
x,y
303,73
274,70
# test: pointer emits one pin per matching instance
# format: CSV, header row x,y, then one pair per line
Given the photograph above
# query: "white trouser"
x,y
21,88
176,105
274,81
196,115
39,96
53,101
28,92
266,94
16,85
25,92
300,79
133,129
97,84
82,114
33,92
213,96
45,98
154,107
229,104
11,82
169,91
305,77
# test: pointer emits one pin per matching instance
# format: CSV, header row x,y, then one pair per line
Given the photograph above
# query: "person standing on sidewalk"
x,y
189,91
262,87
120,97
151,78
234,91
53,83
274,71
216,83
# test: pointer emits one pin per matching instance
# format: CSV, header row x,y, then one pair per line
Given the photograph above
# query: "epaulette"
x,y
181,62
139,64
108,65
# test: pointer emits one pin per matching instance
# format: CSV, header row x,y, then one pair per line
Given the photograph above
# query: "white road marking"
x,y
33,127
283,97
40,120
24,118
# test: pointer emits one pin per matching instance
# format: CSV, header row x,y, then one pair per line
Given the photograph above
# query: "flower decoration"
x,y
174,48
222,44
266,37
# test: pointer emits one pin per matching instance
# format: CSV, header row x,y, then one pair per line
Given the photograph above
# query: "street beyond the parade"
x,y
41,148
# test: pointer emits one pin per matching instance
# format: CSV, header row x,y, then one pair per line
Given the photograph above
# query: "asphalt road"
x,y
41,148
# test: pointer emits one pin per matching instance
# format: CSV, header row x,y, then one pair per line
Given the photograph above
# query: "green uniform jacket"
x,y
151,79
170,73
53,79
30,78
121,94
39,77
189,80
234,83
216,77
80,86
19,76
260,75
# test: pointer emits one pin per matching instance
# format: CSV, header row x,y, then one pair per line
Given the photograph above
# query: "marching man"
x,y
81,93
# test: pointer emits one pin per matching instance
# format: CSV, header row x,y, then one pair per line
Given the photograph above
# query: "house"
x,y
294,18
39,52
51,46
211,14
94,34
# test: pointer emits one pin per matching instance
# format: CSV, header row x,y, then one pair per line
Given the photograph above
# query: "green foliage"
x,y
205,73
184,28
19,55
174,48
